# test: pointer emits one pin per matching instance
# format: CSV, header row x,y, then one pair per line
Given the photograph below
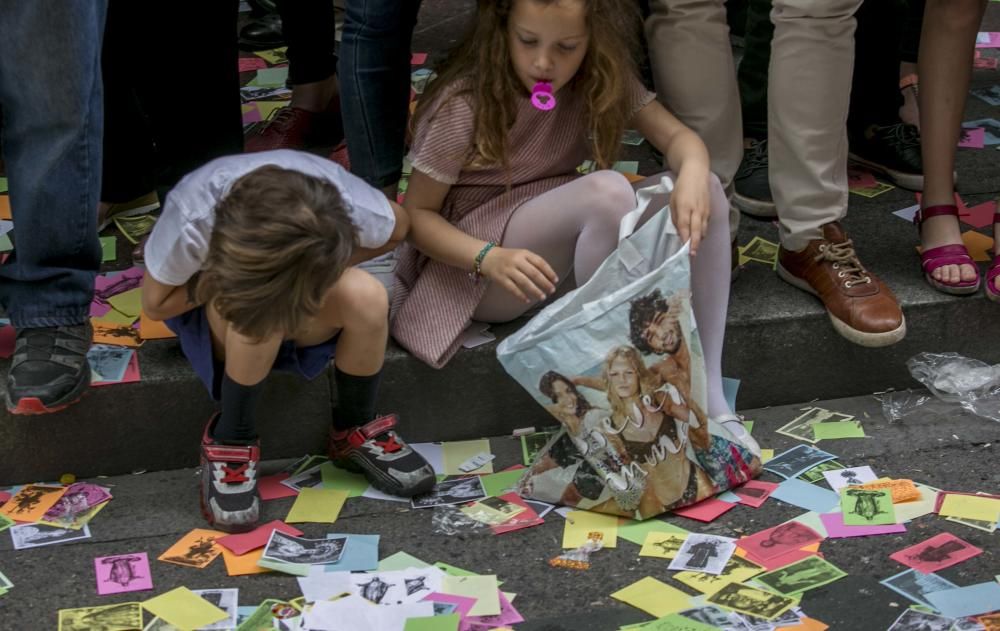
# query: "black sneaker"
x,y
892,150
753,191
229,498
378,452
49,370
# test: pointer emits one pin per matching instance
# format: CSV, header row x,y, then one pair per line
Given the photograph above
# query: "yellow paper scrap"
x,y
654,597
971,507
765,455
579,525
317,505
482,588
662,545
184,609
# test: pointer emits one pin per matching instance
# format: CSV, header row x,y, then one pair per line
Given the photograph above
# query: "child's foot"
x,y
229,497
378,452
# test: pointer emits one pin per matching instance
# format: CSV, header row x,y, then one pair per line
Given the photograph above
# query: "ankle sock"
x,y
355,399
237,424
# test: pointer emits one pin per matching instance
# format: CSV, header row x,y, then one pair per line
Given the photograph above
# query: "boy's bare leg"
x,y
358,306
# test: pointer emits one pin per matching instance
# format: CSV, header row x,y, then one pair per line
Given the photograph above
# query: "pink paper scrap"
x,y
980,215
418,59
123,573
935,554
248,64
463,604
271,488
251,114
507,616
782,559
856,178
778,540
4,496
256,538
988,40
836,529
972,138
706,511
755,492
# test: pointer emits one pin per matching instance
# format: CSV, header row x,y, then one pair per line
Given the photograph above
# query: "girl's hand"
x,y
689,204
521,272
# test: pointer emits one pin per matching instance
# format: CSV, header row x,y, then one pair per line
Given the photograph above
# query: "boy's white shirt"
x,y
178,245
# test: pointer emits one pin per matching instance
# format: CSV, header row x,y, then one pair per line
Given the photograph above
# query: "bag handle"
x,y
643,198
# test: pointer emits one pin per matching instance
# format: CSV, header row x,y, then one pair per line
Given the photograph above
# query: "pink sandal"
x,y
954,254
994,270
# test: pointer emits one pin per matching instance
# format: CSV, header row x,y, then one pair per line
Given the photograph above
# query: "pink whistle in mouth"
x,y
542,97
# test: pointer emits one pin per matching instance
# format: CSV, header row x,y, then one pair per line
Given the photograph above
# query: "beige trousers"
x,y
695,78
809,89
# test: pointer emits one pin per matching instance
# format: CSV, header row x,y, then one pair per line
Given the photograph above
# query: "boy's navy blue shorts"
x,y
195,335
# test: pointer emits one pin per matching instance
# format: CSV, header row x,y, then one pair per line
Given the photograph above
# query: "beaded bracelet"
x,y
477,267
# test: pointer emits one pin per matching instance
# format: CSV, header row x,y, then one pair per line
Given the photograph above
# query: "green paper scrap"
x,y
184,609
401,561
841,429
867,507
502,482
482,588
433,623
626,166
117,317
295,569
270,77
5,243
749,426
800,576
815,475
3,185
451,570
336,478
636,531
5,522
307,462
673,622
128,303
261,618
457,452
109,249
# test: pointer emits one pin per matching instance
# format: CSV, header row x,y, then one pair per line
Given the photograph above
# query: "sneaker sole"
x,y
861,338
227,528
378,480
755,207
909,181
33,406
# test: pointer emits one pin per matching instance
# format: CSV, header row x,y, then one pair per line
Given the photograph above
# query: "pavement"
x,y
151,511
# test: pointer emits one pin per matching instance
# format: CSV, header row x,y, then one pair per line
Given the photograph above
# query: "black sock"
x,y
237,423
355,399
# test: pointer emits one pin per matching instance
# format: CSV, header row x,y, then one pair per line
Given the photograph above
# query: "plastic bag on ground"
x,y
954,382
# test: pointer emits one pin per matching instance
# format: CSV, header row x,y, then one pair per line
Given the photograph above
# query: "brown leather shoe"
x,y
860,306
295,128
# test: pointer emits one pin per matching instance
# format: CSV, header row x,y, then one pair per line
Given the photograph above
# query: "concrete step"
x,y
779,342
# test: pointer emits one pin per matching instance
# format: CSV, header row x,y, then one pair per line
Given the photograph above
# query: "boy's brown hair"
x,y
281,239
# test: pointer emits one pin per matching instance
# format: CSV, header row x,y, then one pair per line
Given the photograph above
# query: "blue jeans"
x,y
374,74
50,92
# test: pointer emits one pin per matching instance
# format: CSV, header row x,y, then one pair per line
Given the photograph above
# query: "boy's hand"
x,y
689,204
521,272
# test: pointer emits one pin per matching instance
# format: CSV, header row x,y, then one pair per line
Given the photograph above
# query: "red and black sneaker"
x,y
378,452
229,497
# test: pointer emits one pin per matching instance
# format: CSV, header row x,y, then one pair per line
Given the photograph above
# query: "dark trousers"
x,y
50,93
374,72
309,28
168,115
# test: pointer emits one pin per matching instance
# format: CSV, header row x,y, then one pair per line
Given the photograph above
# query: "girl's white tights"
x,y
575,227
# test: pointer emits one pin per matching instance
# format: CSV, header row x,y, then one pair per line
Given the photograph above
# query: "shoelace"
x,y
234,475
757,157
845,261
279,121
899,135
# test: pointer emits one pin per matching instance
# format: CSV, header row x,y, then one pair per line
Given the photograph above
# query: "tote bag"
x,y
619,364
